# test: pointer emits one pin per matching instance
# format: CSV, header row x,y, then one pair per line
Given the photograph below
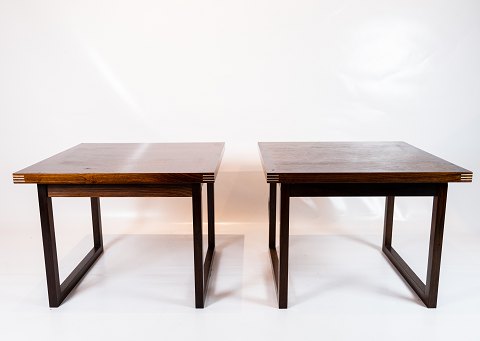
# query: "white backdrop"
x,y
239,72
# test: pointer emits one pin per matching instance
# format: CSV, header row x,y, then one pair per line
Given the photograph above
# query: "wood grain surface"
x,y
346,162
127,163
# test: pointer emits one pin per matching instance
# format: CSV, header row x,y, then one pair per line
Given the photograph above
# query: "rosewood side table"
x,y
389,169
125,170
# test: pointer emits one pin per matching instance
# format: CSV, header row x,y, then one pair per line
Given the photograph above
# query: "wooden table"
x,y
125,170
387,169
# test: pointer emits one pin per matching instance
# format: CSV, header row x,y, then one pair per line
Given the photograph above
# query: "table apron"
x,y
162,190
363,189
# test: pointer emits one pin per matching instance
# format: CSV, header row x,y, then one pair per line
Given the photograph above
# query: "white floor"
x,y
341,286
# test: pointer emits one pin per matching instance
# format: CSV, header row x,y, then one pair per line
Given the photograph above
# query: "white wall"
x,y
239,72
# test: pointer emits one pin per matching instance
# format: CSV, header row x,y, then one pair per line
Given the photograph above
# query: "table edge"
x,y
21,177
379,177
462,175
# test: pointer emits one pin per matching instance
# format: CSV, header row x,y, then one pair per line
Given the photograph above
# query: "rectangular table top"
x,y
360,162
127,163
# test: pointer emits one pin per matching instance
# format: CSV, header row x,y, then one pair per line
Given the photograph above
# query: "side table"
x,y
98,170
326,169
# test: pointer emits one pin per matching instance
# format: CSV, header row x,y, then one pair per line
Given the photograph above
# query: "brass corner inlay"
x,y
273,177
209,177
466,177
18,179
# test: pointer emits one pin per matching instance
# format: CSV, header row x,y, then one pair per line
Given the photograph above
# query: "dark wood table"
x,y
125,170
387,169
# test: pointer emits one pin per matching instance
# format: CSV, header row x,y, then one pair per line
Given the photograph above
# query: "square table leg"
x,y
58,292
426,292
435,250
388,223
272,216
280,260
202,269
207,265
284,241
198,244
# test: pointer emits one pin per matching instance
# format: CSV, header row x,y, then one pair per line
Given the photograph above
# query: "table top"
x,y
127,163
360,162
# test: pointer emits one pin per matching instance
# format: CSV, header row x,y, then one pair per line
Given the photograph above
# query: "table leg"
x,y
284,241
49,246
207,265
211,215
272,214
435,250
198,245
96,222
279,259
426,292
202,268
388,224
58,292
